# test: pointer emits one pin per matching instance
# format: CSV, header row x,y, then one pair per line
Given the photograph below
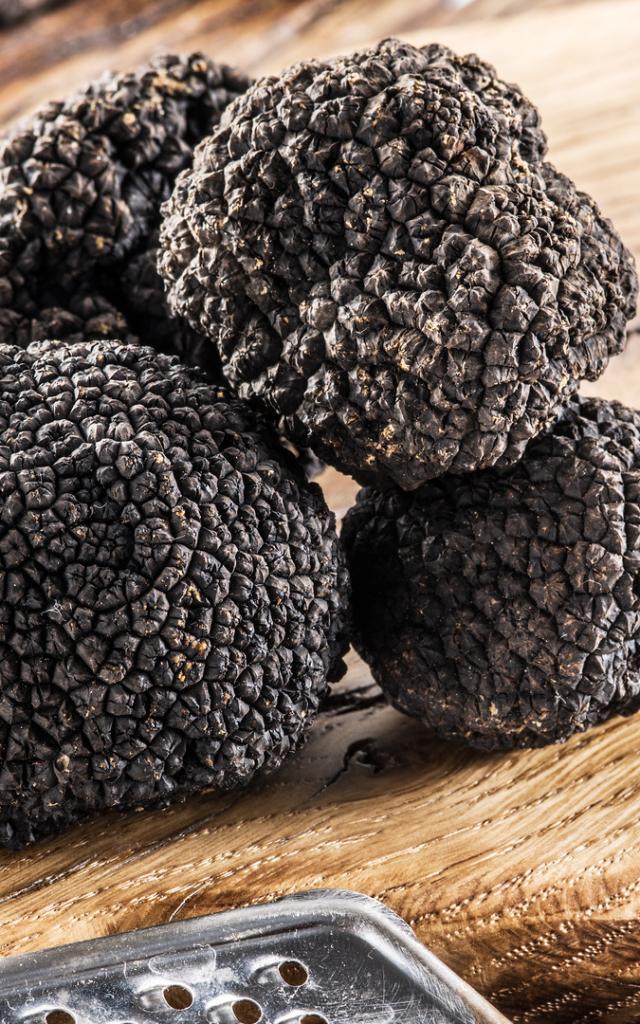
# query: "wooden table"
x,y
522,871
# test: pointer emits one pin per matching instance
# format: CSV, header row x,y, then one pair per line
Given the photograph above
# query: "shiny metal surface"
x,y
320,958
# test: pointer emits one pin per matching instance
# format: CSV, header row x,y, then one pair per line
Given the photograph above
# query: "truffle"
x,y
503,607
81,186
173,595
382,256
139,292
86,315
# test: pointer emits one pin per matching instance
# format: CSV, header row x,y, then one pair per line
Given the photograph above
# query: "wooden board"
x,y
522,871
49,55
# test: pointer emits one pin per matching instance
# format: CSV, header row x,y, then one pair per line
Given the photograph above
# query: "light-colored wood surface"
x,y
522,871
64,47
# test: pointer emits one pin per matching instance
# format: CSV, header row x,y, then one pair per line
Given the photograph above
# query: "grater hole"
x,y
60,1017
313,1018
293,973
177,997
246,1011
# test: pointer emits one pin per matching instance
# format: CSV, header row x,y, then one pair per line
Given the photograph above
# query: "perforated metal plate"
x,y
320,958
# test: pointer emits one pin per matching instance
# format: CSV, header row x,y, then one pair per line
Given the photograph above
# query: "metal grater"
x,y
324,957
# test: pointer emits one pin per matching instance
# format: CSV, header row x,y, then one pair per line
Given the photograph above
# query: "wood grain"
x,y
521,871
64,47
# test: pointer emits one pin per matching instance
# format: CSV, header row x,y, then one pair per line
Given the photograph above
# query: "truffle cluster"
x,y
81,186
375,253
173,595
383,258
387,263
503,607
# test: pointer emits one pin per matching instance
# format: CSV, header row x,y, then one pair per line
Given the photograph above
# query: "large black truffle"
x,y
503,607
81,186
381,255
173,596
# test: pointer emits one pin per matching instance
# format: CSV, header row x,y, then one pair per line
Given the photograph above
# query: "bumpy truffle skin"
x,y
85,316
503,608
139,290
382,256
141,295
81,186
173,594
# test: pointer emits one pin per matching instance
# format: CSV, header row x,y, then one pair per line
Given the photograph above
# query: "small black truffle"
x,y
503,607
173,596
381,255
81,186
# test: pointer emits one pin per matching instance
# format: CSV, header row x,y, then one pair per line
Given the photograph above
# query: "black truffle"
x,y
139,292
503,608
382,256
173,595
86,315
81,186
